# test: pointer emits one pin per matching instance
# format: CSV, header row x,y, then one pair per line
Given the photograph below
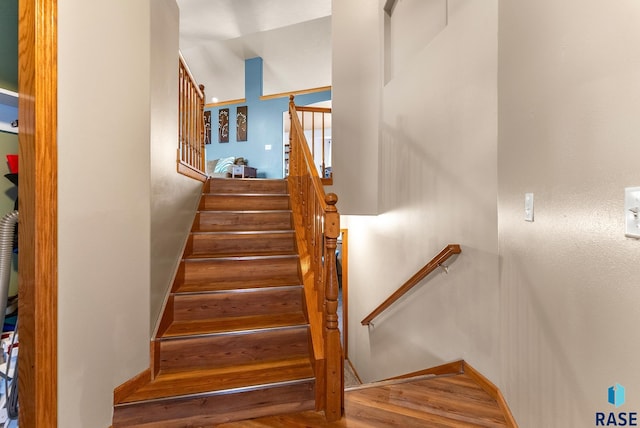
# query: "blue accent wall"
x,y
264,125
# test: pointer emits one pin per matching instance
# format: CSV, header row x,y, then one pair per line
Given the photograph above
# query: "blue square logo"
x,y
616,395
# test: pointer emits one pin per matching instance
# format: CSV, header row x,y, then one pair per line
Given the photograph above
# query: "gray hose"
x,y
7,230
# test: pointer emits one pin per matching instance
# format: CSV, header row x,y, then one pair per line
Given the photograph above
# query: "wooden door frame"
x,y
345,292
38,207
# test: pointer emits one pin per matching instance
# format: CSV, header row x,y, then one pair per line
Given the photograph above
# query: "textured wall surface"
x,y
174,197
437,185
569,104
104,204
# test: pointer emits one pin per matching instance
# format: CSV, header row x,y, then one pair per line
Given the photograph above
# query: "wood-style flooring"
x,y
439,402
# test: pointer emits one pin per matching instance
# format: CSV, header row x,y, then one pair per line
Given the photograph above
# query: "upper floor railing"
x,y
436,262
317,224
316,124
191,157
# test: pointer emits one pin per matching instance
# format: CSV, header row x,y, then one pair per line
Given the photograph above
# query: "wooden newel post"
x,y
335,364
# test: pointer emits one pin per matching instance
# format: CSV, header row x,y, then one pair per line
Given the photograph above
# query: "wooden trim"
x,y
38,195
299,92
493,391
270,97
167,316
452,368
226,103
327,181
437,261
314,109
345,294
353,369
190,172
188,70
121,392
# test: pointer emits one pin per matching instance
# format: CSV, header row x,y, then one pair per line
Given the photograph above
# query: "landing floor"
x,y
441,402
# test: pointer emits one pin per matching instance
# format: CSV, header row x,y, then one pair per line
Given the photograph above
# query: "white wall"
x,y
437,185
104,204
356,92
174,197
124,211
569,107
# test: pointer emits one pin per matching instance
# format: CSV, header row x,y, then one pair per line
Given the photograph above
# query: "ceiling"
x,y
293,37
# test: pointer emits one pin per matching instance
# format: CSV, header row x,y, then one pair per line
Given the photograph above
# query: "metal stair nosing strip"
x,y
227,391
235,332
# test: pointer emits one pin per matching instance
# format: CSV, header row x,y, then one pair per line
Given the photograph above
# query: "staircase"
x,y
234,340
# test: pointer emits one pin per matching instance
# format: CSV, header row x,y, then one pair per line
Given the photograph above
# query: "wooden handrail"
x,y
317,224
447,252
191,156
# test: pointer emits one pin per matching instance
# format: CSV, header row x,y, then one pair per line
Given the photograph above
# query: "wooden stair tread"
x,y
244,257
288,211
232,233
234,195
234,324
237,285
247,253
169,384
244,185
223,220
244,201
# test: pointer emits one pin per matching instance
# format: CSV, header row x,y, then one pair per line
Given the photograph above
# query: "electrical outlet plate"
x,y
632,212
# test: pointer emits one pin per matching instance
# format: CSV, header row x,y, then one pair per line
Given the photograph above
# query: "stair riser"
x,y
235,244
232,349
244,202
217,271
246,186
192,307
223,221
208,411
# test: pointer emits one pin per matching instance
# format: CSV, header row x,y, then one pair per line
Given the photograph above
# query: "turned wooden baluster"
x,y
201,142
333,349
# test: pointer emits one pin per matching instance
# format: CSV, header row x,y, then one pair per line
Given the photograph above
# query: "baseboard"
x,y
121,392
493,391
353,369
454,367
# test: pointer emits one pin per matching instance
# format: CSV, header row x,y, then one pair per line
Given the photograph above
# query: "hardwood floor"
x,y
440,401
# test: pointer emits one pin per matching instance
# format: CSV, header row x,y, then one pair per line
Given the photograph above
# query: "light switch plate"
x,y
267,146
632,212
528,206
